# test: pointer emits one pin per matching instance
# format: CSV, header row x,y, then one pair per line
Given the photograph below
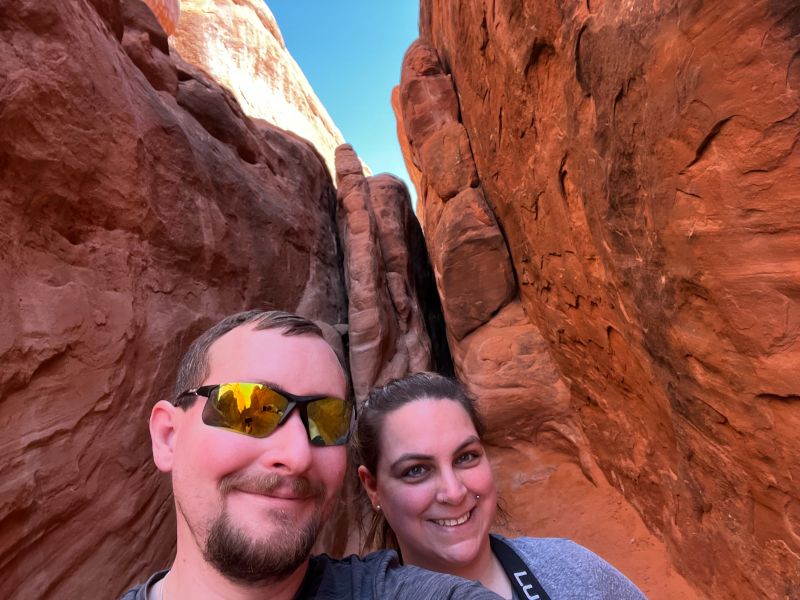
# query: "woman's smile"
x,y
453,522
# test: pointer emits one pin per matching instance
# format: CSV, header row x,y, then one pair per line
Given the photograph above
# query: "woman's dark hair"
x,y
369,429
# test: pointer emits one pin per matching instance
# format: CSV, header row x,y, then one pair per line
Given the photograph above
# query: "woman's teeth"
x,y
453,522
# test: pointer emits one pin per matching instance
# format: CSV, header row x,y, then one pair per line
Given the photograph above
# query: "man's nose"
x,y
451,489
288,448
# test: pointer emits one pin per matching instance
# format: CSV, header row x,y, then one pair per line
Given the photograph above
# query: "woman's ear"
x,y
162,434
370,485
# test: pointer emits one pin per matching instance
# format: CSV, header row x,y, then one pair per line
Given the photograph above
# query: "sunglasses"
x,y
257,410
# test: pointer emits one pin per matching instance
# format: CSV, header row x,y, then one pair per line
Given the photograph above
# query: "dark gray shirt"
x,y
378,575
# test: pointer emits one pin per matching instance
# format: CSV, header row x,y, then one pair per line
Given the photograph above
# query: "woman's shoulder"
x,y
546,545
562,564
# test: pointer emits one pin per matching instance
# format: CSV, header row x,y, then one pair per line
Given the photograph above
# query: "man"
x,y
254,441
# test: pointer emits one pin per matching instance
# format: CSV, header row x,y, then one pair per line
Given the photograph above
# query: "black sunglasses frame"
x,y
301,402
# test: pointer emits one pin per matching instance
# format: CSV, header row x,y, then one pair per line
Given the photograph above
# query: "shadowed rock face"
x,y
641,162
139,205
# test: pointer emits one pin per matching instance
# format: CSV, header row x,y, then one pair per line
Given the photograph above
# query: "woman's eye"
x,y
415,472
466,458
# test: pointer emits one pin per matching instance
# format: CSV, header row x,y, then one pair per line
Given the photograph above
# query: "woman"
x,y
428,480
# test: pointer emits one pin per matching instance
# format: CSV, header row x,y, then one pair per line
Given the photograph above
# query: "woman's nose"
x,y
451,489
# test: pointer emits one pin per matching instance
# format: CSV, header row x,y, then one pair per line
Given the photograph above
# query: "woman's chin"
x,y
458,555
453,545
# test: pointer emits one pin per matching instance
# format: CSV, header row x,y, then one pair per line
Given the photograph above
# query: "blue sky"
x,y
351,52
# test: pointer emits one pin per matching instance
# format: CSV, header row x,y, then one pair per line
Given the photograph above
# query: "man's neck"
x,y
200,581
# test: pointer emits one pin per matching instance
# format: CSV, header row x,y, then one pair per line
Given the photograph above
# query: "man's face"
x,y
253,506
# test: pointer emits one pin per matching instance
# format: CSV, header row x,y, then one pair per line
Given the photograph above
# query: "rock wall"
x,y
240,45
388,335
640,162
540,453
139,205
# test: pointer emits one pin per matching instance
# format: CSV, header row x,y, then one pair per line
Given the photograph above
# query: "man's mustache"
x,y
270,484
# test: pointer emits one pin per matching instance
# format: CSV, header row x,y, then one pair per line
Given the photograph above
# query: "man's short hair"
x,y
193,367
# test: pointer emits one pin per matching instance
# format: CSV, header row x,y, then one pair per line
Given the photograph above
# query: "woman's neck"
x,y
486,569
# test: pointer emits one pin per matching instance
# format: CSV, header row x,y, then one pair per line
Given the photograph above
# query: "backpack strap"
x,y
522,579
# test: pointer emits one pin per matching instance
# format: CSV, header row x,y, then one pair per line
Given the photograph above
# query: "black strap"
x,y
524,582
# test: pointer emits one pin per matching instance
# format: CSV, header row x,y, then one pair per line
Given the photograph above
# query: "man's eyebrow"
x,y
412,456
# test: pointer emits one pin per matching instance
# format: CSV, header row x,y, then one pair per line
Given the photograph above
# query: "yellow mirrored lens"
x,y
250,408
328,421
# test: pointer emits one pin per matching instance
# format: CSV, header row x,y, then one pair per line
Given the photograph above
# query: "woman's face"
x,y
434,484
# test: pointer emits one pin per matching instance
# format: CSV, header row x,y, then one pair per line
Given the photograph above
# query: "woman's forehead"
x,y
430,426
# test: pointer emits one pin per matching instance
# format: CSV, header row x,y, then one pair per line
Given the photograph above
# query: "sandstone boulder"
x,y
471,263
447,158
427,96
506,365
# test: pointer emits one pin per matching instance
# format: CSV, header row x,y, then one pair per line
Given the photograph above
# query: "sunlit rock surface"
x,y
641,162
139,205
239,43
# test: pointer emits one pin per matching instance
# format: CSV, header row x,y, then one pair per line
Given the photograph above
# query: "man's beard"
x,y
242,559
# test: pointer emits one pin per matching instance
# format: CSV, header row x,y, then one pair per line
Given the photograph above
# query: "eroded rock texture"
x,y
385,267
641,162
239,43
139,205
497,351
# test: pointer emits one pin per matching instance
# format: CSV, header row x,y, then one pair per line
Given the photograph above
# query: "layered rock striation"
x,y
240,45
640,163
139,205
386,268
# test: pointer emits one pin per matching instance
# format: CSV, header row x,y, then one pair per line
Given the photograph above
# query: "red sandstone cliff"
x,y
240,45
636,165
139,205
607,194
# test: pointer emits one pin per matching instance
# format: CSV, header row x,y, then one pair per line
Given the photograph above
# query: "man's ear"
x,y
370,485
163,420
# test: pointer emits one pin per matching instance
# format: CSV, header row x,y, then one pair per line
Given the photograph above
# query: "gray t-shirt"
x,y
568,571
378,575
